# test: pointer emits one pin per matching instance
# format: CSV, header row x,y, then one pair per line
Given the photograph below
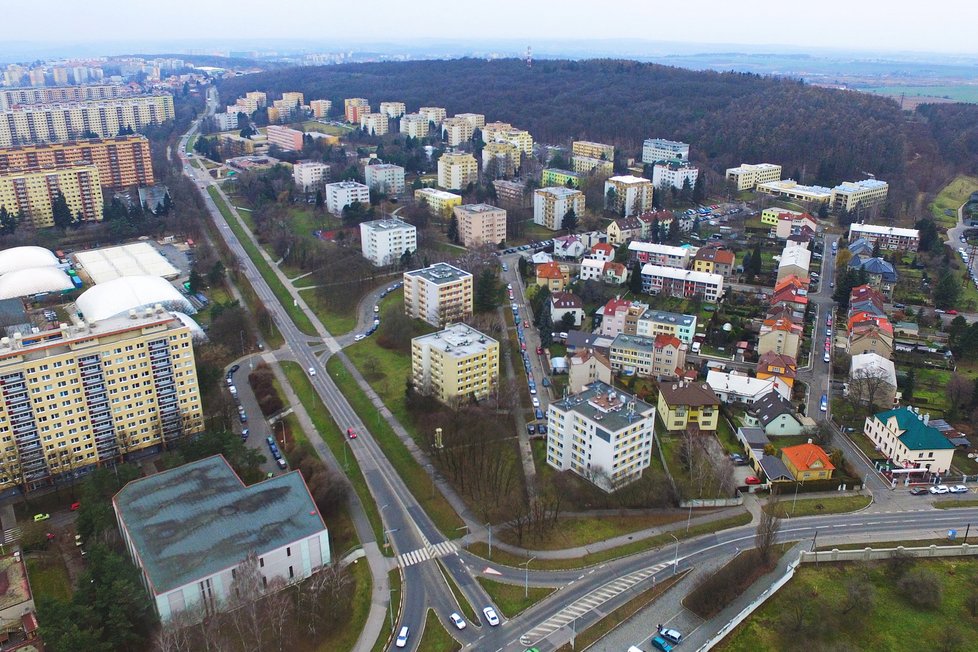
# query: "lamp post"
x,y
675,562
431,475
489,529
526,577
386,532
390,605
690,517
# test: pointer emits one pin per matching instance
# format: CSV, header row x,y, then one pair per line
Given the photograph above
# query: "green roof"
x,y
917,435
199,519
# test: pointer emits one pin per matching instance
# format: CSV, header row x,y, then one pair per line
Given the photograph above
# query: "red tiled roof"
x,y
804,455
603,247
566,300
663,340
549,270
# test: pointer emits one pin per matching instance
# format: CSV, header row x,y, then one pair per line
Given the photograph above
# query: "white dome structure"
x,y
197,333
31,281
130,293
17,258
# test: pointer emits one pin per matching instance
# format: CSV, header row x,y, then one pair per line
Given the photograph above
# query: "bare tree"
x,y
871,387
860,595
245,612
767,529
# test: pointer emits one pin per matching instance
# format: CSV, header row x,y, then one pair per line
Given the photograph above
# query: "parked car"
x,y
752,479
662,644
672,635
823,404
959,489
457,620
402,637
359,337
918,491
738,459
491,616
41,517
75,506
936,490
281,463
530,428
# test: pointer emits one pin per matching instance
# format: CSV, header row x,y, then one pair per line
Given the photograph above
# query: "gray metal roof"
x,y
775,469
198,519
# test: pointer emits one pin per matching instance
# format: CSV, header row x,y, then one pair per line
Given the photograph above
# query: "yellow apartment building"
x,y
500,159
436,114
747,176
456,170
456,130
519,138
31,194
456,363
122,162
440,294
353,108
588,157
413,125
439,202
85,395
374,123
320,108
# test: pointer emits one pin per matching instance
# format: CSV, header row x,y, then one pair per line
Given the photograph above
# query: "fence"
x,y
712,502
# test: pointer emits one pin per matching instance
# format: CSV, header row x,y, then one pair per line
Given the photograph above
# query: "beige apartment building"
x,y
10,97
374,123
456,363
588,157
320,108
50,123
31,194
440,294
500,159
632,196
89,394
456,130
480,224
518,138
748,176
414,125
122,162
353,108
439,202
436,114
477,120
393,109
456,170
550,205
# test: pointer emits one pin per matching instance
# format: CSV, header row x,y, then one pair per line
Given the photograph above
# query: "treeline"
x,y
819,136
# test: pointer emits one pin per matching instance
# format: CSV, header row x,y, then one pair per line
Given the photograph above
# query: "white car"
x,y
536,402
359,337
491,616
457,620
402,637
940,489
958,489
312,372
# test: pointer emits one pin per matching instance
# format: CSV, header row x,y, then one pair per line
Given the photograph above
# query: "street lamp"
x,y
431,475
390,605
675,563
526,577
386,532
489,529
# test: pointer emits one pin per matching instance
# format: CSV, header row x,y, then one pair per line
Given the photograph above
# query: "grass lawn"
x,y
394,579
890,622
572,532
464,606
815,506
950,199
336,323
280,291
511,598
435,637
952,504
346,636
481,549
335,439
48,575
415,477
331,129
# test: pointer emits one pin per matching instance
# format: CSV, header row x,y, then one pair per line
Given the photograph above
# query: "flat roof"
x,y
479,208
603,403
634,342
856,186
630,179
877,229
668,317
14,587
559,191
440,273
199,519
459,340
440,194
686,274
668,250
386,224
662,142
136,259
789,185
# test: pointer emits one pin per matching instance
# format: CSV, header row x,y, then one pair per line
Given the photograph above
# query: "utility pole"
x,y
526,577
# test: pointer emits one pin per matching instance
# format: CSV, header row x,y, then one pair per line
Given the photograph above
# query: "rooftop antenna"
x,y
529,56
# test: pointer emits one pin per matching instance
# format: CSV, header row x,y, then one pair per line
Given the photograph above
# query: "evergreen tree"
x,y
453,230
570,221
674,230
611,199
755,263
196,282
486,292
699,189
876,249
823,211
61,212
686,192
319,200
216,274
910,383
635,279
946,291
8,222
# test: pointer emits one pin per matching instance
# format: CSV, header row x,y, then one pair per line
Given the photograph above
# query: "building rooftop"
x,y
604,404
630,179
693,394
916,433
774,468
754,166
346,185
459,340
686,274
479,208
769,407
634,343
386,224
663,249
804,456
662,142
877,229
438,194
858,186
560,171
662,317
199,518
560,192
786,185
14,586
756,438
566,301
440,273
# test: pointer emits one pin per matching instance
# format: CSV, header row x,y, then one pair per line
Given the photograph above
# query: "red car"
x,y
351,433
952,311
752,479
75,505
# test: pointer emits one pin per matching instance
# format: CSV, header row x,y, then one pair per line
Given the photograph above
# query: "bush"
x,y
922,588
716,591
262,381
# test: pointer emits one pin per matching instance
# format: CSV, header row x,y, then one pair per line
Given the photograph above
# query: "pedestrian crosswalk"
x,y
11,535
431,551
591,601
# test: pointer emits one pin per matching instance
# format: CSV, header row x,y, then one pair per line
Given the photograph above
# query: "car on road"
x,y
505,267
538,413
282,463
536,402
457,621
491,616
351,433
402,637
918,491
531,429
41,517
936,490
959,489
234,368
823,404
242,417
75,506
312,372
360,336
752,479
546,382
738,459
661,644
674,636
952,311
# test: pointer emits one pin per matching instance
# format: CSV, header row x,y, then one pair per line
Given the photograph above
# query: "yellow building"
x,y
48,123
807,462
500,160
456,131
439,202
320,108
31,194
480,224
456,363
293,98
440,294
556,177
456,170
772,216
490,129
374,123
849,195
748,176
123,162
590,157
413,125
90,394
683,404
477,120
586,165
436,114
519,138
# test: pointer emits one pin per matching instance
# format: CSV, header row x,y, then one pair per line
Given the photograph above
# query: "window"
x,y
261,562
291,573
288,551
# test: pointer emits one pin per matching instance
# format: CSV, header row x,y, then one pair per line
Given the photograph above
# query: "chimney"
x,y
810,440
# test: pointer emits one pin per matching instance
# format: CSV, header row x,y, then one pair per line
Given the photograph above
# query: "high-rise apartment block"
x,y
632,196
48,123
89,394
385,177
456,131
31,194
440,294
456,170
393,109
748,176
383,242
435,114
290,140
588,157
655,150
456,363
122,162
320,108
344,193
374,124
558,177
310,176
602,435
10,97
550,205
480,224
500,160
519,138
353,108
477,120
674,175
414,125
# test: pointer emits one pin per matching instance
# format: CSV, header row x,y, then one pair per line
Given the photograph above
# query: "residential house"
x,y
882,275
602,251
795,261
779,336
569,247
775,415
807,462
688,405
624,229
660,357
865,298
577,341
592,269
563,304
586,367
681,283
777,365
662,254
792,293
656,223
615,274
553,276
861,247
870,334
872,379
738,387
714,260
792,223
904,436
658,322
620,316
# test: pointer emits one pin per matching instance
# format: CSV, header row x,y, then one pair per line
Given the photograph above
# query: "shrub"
x,y
921,587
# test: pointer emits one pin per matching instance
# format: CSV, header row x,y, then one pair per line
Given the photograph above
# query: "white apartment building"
x,y
434,114
344,193
674,175
440,294
791,189
747,176
889,237
414,125
385,177
633,195
681,283
602,435
456,131
477,120
849,195
661,254
550,205
226,121
374,124
456,170
393,109
383,242
659,149
310,176
480,224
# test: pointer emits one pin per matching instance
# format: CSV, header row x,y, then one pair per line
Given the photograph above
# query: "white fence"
x,y
712,502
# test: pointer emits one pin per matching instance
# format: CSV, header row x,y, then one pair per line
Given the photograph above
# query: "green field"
x,y
788,507
511,599
951,197
435,637
821,608
958,93
48,575
333,130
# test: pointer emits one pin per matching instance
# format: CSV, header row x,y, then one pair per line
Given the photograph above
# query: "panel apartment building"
x,y
480,224
123,162
454,363
383,242
550,205
748,176
89,394
31,195
440,294
588,157
353,108
681,283
655,150
456,170
10,97
341,194
51,123
889,237
385,177
286,138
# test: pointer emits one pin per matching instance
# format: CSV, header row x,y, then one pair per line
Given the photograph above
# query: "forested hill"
x,y
827,136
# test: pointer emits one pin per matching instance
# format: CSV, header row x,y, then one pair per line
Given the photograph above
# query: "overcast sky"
x,y
893,25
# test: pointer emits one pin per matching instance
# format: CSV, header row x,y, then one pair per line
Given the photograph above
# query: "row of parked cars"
x,y
939,489
533,245
276,453
491,617
373,329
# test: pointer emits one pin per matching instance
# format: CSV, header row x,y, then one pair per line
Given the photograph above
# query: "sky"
x,y
873,25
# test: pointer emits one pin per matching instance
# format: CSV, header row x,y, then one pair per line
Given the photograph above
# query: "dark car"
x,y
234,368
918,491
530,428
